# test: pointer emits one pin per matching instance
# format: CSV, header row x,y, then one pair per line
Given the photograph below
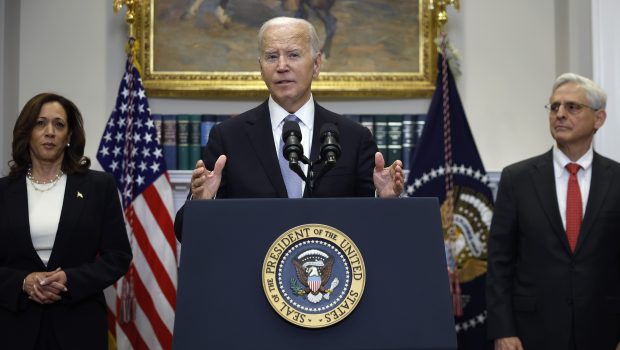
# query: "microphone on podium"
x,y
330,148
291,135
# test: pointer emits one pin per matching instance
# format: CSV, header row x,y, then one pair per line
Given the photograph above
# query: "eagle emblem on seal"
x,y
314,270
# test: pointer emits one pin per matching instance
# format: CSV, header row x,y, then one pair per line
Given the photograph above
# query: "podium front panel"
x,y
406,302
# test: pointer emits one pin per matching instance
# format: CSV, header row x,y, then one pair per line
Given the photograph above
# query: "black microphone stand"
x,y
293,151
312,180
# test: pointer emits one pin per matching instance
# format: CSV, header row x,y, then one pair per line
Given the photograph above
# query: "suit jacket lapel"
x,y
544,182
258,131
320,117
599,186
319,120
73,203
17,210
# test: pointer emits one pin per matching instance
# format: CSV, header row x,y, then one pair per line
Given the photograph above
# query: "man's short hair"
x,y
597,98
313,37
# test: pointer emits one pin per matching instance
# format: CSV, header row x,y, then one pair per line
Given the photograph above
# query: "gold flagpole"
x,y
128,299
439,7
129,16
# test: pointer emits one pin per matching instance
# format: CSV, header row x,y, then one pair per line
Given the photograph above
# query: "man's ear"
x,y
601,116
260,68
318,60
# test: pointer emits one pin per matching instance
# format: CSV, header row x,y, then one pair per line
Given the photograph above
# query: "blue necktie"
x,y
292,181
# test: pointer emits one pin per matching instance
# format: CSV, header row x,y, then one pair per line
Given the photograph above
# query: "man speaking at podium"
x,y
244,153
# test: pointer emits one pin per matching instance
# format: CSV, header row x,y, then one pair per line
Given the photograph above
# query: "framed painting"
x,y
376,48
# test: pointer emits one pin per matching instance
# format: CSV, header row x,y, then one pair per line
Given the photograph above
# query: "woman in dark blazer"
x,y
62,234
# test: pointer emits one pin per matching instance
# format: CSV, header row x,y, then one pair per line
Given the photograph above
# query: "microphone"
x,y
291,135
330,148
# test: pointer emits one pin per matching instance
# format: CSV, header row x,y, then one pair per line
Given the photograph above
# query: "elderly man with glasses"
x,y
554,250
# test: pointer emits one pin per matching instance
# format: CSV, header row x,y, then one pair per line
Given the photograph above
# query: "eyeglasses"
x,y
570,107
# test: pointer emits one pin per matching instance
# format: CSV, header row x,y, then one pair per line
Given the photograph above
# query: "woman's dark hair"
x,y
73,161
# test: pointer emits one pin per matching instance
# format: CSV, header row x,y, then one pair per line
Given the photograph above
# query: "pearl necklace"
x,y
35,182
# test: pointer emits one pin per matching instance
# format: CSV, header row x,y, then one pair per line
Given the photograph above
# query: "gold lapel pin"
x,y
79,195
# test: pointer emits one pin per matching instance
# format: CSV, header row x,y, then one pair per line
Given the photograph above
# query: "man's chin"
x,y
562,138
283,98
560,134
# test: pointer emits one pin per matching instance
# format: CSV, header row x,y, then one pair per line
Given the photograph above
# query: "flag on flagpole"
x,y
141,305
446,164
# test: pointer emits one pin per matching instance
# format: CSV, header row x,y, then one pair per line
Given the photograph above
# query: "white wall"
x,y
606,30
3,136
74,48
510,60
508,68
9,80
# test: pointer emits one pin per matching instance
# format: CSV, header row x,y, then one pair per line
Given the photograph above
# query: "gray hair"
x,y
313,37
597,98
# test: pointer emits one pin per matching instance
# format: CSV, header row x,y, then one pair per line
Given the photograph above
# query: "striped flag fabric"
x,y
141,305
446,164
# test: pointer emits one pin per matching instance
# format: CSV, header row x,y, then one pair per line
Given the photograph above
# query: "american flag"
x,y
141,305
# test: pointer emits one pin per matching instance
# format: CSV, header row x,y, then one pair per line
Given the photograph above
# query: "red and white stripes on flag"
x,y
154,273
314,282
130,149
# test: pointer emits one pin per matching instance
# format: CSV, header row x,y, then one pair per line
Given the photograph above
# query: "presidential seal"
x,y
313,275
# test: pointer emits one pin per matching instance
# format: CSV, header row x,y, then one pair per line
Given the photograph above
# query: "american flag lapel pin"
x,y
79,195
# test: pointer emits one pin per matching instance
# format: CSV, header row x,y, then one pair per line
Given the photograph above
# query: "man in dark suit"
x,y
553,277
243,151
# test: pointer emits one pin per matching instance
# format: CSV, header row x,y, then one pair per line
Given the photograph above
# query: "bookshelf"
x,y
184,138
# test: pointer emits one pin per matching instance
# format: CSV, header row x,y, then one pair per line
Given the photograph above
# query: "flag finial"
x,y
441,6
130,15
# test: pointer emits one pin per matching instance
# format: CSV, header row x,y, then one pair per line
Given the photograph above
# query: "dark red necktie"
x,y
574,209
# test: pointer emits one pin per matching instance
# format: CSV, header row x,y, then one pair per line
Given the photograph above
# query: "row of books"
x,y
185,136
396,135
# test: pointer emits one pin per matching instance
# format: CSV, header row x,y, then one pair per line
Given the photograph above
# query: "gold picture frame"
x,y
176,48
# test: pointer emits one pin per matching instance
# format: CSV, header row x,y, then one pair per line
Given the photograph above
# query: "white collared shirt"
x,y
306,117
584,176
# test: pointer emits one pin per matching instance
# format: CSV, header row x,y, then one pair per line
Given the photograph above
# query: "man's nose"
x,y
282,62
561,113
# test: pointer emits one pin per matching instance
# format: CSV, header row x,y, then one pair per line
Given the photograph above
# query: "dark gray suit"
x,y
537,289
252,169
91,246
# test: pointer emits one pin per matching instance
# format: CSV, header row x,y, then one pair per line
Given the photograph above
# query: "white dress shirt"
x,y
306,124
584,175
